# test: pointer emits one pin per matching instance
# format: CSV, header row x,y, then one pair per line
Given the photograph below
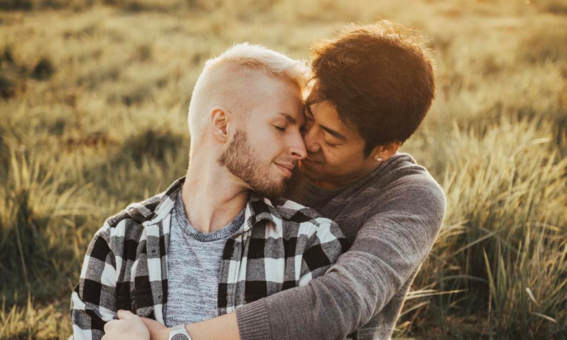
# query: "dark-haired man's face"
x,y
335,151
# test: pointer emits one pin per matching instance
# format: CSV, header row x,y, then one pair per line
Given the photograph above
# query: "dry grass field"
x,y
93,102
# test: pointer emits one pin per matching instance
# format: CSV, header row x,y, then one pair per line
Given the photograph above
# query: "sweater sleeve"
x,y
389,247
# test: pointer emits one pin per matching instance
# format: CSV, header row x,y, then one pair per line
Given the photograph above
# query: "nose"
x,y
297,148
310,140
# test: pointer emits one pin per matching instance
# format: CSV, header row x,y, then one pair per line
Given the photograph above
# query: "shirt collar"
x,y
258,208
164,205
261,209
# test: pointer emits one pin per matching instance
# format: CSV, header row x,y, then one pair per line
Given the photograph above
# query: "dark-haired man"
x,y
373,87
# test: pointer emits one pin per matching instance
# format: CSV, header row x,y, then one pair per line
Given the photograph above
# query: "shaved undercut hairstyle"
x,y
379,80
224,82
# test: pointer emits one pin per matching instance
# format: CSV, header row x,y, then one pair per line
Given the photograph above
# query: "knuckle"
x,y
108,326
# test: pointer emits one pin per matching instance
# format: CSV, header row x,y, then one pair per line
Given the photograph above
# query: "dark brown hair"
x,y
378,79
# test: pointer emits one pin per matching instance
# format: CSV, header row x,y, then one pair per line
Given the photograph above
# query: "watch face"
x,y
180,337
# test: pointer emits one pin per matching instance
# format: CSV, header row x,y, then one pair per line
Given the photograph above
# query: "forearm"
x,y
358,286
224,327
330,307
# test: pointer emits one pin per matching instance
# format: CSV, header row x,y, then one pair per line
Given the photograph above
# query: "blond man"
x,y
214,241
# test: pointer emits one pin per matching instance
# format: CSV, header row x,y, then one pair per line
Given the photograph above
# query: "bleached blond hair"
x,y
218,86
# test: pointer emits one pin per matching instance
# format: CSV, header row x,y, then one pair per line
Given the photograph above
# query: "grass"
x,y
93,100
507,254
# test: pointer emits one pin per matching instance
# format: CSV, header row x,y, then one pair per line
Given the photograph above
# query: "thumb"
x,y
155,328
124,314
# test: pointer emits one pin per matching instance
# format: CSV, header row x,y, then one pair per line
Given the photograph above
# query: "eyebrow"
x,y
288,117
333,133
330,131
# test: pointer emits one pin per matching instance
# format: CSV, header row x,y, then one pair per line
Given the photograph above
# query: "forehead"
x,y
325,114
273,95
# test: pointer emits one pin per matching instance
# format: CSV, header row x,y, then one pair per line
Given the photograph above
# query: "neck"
x,y
369,166
348,179
212,197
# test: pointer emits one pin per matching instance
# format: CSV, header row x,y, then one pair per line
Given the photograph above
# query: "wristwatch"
x,y
179,333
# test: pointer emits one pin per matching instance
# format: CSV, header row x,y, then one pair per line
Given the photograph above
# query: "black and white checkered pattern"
x,y
281,246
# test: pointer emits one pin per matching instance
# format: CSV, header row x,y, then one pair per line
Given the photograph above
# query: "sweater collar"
x,y
380,170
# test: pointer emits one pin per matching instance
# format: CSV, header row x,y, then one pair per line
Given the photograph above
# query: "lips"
x,y
311,160
286,168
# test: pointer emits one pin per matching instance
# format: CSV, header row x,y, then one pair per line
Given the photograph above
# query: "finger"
x,y
153,326
110,325
124,314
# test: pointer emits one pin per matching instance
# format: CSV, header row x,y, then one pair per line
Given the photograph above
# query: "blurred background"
x,y
93,103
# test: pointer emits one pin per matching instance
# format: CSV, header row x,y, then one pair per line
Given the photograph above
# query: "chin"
x,y
303,167
305,171
309,166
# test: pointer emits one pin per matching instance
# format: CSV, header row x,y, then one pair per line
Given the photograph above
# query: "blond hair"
x,y
216,86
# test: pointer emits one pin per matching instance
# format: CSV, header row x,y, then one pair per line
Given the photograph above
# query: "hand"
x,y
156,329
128,327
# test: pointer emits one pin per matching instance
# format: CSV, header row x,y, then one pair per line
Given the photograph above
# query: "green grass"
x,y
93,101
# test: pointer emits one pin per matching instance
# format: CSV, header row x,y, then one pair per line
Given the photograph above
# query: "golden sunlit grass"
x,y
93,101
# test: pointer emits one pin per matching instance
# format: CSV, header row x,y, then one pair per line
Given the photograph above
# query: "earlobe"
x,y
383,152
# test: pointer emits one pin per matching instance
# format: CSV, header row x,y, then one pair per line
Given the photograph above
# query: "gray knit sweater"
x,y
392,218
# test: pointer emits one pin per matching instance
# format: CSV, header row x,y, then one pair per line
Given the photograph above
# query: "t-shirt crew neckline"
x,y
189,230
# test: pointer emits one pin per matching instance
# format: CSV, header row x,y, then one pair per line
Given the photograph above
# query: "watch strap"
x,y
179,333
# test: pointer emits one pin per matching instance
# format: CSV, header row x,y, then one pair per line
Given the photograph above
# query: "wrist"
x,y
178,332
164,334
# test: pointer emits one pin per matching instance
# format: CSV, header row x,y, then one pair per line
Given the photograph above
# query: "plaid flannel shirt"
x,y
280,247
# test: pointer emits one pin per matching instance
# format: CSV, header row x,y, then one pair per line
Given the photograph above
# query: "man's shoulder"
x,y
405,176
407,188
137,213
149,209
400,188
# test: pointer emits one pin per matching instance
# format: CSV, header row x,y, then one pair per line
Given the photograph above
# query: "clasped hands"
x,y
132,327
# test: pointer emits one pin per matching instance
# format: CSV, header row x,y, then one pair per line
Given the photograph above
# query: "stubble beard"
x,y
239,159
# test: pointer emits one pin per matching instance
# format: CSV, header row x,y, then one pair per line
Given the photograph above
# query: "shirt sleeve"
x,y
388,248
93,301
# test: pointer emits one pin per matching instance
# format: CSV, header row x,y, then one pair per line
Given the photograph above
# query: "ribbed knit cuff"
x,y
253,321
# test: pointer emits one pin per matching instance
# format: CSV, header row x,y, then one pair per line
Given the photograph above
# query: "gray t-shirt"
x,y
193,264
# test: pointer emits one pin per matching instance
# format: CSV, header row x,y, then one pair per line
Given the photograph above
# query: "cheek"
x,y
268,145
263,137
332,157
344,159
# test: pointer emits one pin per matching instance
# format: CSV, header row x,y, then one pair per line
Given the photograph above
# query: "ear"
x,y
220,119
385,151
